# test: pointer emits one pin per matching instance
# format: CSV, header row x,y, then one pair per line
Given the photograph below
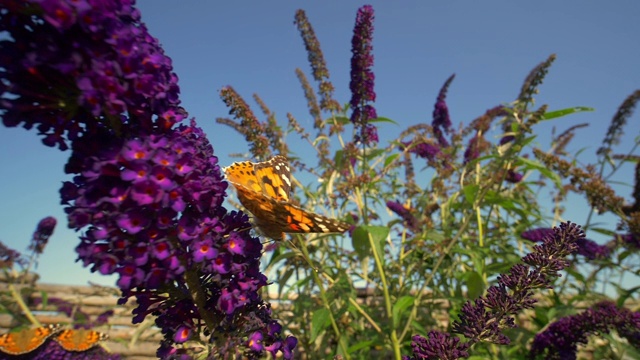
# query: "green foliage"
x,y
400,273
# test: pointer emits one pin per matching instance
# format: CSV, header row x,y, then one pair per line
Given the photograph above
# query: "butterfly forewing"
x,y
274,176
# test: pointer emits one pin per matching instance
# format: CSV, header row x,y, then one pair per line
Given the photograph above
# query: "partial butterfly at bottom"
x,y
27,340
264,189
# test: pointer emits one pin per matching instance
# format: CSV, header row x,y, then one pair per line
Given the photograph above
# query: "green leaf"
x,y
624,294
390,159
368,344
339,158
532,164
372,153
399,307
319,322
44,298
360,242
343,120
382,119
564,112
379,236
470,192
475,284
603,231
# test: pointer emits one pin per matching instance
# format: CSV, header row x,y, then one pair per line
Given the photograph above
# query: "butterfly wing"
x,y
79,339
271,178
298,220
274,177
27,340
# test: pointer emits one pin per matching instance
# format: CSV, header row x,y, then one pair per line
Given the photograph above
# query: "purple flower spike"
x,y
438,346
43,232
405,214
561,339
146,196
441,121
74,67
362,77
486,317
9,256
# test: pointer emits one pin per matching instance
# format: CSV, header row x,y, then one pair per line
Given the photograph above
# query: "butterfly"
x,y
79,339
264,189
27,340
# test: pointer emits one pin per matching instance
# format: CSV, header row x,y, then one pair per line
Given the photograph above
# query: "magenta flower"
x,y
182,334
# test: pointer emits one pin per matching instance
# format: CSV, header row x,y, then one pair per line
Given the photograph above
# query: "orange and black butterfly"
x,y
264,189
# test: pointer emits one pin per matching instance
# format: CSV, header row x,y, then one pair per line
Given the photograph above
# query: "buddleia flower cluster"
x,y
362,77
485,319
146,194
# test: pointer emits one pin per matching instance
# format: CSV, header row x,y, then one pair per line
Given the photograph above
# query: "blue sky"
x,y
255,47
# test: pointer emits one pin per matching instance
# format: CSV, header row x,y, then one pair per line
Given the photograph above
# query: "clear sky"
x,y
255,47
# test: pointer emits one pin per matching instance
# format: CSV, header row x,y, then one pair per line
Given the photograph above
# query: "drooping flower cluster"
x,y
586,247
9,257
561,339
441,122
151,211
484,319
43,232
631,240
146,196
405,213
362,77
73,67
431,146
438,345
146,201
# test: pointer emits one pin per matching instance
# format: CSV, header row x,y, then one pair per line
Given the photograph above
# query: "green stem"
x,y
25,309
199,298
387,298
325,302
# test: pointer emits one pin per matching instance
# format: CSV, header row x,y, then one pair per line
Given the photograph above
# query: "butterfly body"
x,y
264,189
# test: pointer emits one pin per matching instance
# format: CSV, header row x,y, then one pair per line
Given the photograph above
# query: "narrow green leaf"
x,y
382,119
319,322
390,159
564,112
368,344
343,120
475,284
399,307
